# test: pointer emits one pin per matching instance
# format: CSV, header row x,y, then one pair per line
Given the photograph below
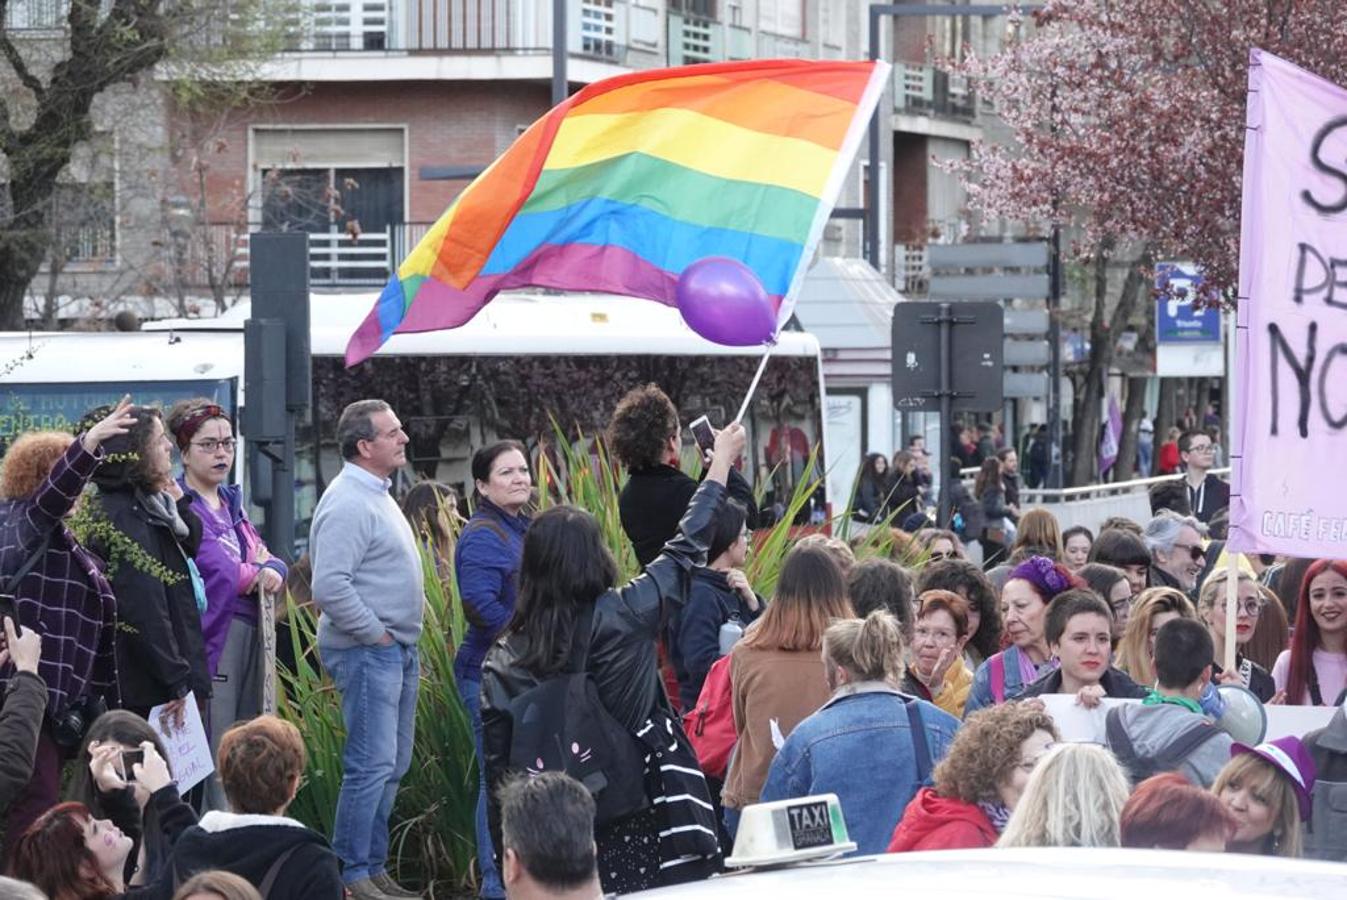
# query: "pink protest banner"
x,y
1289,493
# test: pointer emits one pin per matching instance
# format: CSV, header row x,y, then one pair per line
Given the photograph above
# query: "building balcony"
x,y
337,260
924,93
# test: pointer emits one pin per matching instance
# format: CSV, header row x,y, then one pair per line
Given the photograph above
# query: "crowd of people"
x,y
623,727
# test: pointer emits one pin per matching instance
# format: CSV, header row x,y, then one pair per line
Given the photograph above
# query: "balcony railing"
x,y
928,91
336,260
599,29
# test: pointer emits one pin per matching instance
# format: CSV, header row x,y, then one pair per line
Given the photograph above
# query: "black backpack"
x,y
561,724
1182,744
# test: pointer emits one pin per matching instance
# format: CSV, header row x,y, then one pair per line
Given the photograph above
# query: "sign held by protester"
x,y
1292,341
187,746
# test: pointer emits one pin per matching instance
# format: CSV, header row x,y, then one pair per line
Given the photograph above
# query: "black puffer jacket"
x,y
1115,683
621,657
160,651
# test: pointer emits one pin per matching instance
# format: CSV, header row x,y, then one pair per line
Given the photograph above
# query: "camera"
x,y
69,726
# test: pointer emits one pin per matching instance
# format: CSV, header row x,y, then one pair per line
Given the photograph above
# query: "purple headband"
x,y
1048,578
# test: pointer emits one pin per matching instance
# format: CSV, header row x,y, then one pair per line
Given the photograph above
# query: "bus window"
x,y
59,406
452,405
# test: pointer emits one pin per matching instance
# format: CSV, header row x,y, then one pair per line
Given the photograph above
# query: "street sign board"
x,y
1177,320
1025,384
976,346
988,287
1027,321
1018,255
1026,353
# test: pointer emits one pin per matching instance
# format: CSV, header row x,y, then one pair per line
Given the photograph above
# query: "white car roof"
x,y
1034,874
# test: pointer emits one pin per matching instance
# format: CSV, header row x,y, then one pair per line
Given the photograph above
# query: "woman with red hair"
x,y
1167,813
1313,672
71,855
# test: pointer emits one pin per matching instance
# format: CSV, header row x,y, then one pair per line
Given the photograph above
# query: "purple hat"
x,y
1290,757
1048,578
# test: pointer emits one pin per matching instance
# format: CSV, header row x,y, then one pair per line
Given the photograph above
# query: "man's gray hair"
x,y
1162,532
355,426
548,821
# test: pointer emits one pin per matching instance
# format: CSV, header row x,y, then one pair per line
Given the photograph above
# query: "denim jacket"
x,y
859,747
983,694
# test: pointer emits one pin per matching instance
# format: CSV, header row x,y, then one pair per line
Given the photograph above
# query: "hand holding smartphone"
x,y
703,434
130,759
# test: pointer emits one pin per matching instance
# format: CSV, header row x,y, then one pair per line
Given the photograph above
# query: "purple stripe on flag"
x,y
566,267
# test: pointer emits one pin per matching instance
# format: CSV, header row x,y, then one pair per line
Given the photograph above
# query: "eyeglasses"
x,y
1194,551
934,635
1251,608
941,554
1201,448
210,445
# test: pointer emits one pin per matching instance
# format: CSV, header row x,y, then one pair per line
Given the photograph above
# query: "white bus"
x,y
526,361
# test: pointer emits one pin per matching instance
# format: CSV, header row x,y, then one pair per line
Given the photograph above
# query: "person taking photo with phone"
x,y
21,715
646,437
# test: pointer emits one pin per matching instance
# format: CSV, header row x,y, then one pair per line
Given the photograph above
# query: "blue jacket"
x,y
982,695
692,637
859,746
486,566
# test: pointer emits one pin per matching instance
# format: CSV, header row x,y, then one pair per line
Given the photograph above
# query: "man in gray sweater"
x,y
368,584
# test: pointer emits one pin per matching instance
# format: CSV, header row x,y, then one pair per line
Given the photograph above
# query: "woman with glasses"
x,y
1249,605
1313,672
936,671
235,566
980,781
1113,585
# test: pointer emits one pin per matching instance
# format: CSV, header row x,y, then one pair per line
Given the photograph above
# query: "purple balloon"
x,y
723,301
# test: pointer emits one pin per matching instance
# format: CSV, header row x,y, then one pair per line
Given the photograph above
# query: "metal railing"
x,y
926,90
336,259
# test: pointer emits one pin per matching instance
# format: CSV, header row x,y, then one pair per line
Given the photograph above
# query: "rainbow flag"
x,y
626,183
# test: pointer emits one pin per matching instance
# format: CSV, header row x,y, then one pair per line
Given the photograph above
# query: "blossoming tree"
x,y
1126,125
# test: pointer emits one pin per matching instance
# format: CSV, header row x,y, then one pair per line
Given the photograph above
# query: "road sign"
x,y
1026,353
1177,320
1032,322
976,363
1025,384
960,271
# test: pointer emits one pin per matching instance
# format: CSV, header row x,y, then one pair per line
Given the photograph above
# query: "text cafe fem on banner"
x,y
1291,350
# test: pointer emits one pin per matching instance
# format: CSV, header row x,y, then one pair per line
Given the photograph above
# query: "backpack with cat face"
x,y
561,724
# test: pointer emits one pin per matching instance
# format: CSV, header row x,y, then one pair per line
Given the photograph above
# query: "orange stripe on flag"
x,y
764,105
481,216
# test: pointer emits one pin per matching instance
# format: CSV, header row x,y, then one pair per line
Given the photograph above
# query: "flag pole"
x,y
762,366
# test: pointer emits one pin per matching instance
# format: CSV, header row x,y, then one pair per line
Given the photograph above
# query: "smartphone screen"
x,y
131,758
702,434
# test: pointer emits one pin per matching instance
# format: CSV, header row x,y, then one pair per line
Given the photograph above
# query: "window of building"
x,y
596,28
783,18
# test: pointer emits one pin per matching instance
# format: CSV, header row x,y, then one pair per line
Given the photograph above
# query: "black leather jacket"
x,y
622,659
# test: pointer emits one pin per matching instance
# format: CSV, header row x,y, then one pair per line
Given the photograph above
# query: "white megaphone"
x,y
1244,717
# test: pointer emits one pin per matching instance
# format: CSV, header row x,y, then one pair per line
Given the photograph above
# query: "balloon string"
x,y
762,367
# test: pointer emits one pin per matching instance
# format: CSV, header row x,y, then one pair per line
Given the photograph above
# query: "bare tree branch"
x,y
20,67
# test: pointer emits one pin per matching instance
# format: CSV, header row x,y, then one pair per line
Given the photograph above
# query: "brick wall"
x,y
448,123
910,163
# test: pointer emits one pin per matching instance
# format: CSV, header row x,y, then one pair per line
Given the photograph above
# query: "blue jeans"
x,y
378,702
471,692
